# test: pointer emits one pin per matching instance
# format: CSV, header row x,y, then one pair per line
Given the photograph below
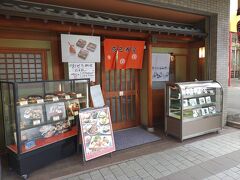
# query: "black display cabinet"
x,y
40,120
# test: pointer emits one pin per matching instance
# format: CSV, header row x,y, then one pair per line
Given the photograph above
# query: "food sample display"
x,y
91,47
193,108
83,54
55,111
30,116
73,107
37,120
81,43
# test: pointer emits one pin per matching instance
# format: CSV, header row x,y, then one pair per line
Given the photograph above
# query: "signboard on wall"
x,y
123,54
160,66
96,132
81,70
79,48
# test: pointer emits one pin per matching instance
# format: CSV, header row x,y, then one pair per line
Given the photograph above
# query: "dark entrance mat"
x,y
133,137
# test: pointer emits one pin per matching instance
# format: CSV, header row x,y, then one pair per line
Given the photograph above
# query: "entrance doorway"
x,y
121,90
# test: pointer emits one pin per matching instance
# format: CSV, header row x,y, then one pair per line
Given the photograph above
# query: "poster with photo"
x,y
193,102
197,113
212,110
191,91
96,132
80,48
185,103
202,100
208,99
205,111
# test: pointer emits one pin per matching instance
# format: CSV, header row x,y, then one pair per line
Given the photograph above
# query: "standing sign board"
x,y
79,48
160,67
96,132
81,71
97,96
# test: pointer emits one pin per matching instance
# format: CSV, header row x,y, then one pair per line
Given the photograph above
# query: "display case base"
x,y
26,163
195,127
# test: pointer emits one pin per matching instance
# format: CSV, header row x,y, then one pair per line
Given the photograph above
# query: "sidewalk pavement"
x,y
213,158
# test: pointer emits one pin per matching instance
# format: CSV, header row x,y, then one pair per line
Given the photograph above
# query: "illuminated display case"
x,y
40,120
193,108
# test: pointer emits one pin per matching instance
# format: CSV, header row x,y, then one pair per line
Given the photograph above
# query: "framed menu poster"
x,y
96,132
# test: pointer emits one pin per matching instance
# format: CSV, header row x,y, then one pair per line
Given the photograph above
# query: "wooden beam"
x,y
170,45
13,33
68,28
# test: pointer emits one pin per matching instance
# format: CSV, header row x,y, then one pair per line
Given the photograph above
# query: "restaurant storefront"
x,y
33,29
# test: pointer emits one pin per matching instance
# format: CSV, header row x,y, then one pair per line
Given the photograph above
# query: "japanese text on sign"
x,y
81,70
160,67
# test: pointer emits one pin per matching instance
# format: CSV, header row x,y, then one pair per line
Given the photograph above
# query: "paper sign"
x,y
79,48
81,71
96,95
160,67
96,132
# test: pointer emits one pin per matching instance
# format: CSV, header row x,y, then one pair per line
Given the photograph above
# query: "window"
x,y
22,64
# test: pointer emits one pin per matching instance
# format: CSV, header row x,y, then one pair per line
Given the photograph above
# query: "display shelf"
x,y
42,124
39,129
196,111
198,95
45,141
199,106
199,118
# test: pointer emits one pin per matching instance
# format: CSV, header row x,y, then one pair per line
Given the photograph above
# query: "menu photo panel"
x,y
96,132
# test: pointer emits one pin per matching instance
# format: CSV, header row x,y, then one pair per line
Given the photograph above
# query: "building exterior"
x,y
183,27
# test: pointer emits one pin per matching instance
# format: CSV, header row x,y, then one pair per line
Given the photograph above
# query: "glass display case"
x,y
193,108
39,114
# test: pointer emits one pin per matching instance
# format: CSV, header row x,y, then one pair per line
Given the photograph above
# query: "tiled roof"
x,y
18,8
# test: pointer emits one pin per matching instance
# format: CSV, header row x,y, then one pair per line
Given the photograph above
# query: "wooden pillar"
x,y
149,91
58,66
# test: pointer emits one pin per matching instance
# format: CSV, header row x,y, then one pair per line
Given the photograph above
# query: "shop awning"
x,y
47,12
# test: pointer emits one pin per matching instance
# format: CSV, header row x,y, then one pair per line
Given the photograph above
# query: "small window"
x,y
22,64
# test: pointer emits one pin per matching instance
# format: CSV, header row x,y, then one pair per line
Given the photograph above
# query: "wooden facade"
x,y
122,89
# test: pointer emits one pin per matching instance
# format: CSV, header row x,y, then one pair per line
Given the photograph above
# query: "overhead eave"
x,y
46,12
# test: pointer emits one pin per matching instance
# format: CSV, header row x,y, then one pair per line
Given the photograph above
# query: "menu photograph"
x,y
80,48
96,132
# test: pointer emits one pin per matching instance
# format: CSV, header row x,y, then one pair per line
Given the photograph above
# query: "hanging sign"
x,y
96,132
160,67
123,54
79,48
81,70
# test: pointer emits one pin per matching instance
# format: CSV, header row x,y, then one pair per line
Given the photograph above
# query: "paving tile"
x,y
135,178
110,177
225,162
142,173
123,177
97,177
179,176
73,178
197,172
84,176
212,166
